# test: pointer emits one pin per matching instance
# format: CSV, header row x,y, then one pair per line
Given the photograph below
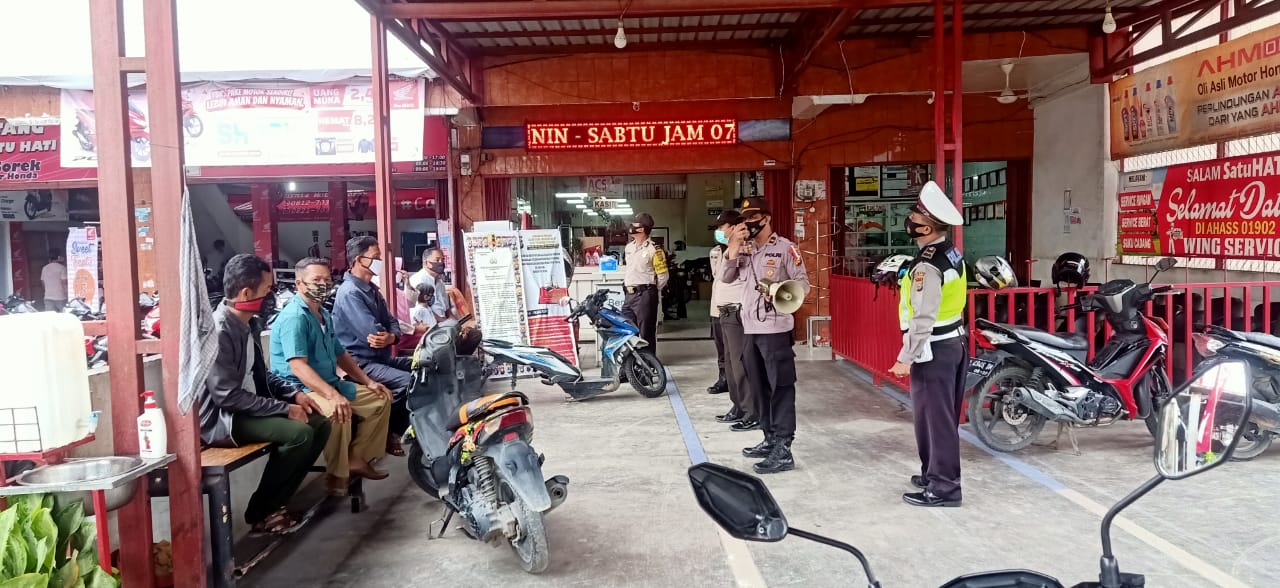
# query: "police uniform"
x,y
768,356
933,293
726,321
645,275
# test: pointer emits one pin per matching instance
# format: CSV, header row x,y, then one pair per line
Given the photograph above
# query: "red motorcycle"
x,y
191,123
140,137
1027,377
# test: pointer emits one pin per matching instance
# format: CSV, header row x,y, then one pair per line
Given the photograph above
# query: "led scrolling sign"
x,y
687,133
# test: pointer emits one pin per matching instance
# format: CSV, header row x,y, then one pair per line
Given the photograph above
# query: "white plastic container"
x,y
44,399
153,435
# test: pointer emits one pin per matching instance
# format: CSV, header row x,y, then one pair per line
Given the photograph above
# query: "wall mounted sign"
x,y
614,135
314,206
1223,92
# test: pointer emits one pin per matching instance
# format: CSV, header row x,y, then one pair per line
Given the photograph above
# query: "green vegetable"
x,y
27,581
43,545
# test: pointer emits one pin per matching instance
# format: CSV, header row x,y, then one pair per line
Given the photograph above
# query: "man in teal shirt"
x,y
306,352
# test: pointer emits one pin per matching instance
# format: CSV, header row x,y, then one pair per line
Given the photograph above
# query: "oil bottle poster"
x,y
546,292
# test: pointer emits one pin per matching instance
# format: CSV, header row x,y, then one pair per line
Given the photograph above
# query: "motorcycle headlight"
x,y
996,338
1207,345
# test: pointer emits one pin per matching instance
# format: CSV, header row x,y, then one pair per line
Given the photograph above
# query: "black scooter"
x,y
1219,395
38,203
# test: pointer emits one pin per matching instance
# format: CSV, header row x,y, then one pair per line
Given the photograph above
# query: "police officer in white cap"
x,y
932,297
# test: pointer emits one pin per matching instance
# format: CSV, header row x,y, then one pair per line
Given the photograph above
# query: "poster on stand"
x,y
1227,91
1223,209
82,264
261,123
546,292
496,285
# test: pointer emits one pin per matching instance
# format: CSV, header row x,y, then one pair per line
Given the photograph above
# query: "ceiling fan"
x,y
1007,95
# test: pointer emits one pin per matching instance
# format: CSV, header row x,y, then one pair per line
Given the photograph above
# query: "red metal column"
x,y
957,116
266,234
168,178
338,223
939,89
382,157
947,78
116,204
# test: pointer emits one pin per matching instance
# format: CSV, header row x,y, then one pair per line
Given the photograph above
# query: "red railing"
x,y
865,329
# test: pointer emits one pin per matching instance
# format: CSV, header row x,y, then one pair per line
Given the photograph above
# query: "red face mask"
x,y
254,306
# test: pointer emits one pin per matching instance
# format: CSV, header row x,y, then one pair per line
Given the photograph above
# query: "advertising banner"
x,y
496,285
82,264
1226,209
1228,91
30,153
18,260
411,203
261,123
546,292
33,205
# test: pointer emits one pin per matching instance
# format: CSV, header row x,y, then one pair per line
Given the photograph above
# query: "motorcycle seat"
x,y
1262,339
1066,341
470,412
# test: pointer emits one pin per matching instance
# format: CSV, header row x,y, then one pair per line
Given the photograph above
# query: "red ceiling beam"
x,y
804,46
498,10
609,31
991,16
725,46
414,42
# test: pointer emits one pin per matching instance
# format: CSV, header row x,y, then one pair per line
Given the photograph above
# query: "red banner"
x,y
1228,208
411,203
29,153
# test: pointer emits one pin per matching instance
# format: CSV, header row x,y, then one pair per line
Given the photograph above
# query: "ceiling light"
x,y
590,213
293,186
620,39
859,98
1108,21
581,206
571,195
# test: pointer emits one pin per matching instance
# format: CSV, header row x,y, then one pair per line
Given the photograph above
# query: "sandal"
x,y
280,522
394,446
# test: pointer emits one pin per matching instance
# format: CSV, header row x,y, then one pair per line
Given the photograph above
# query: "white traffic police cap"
x,y
935,204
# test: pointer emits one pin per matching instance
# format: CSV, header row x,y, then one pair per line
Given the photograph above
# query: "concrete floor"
x,y
630,519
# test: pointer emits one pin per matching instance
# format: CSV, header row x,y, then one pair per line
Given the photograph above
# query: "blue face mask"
x,y
721,238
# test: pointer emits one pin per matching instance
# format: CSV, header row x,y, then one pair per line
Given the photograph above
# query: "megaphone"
x,y
786,296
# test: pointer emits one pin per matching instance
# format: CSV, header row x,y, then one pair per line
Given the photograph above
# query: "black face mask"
x,y
436,267
914,229
754,228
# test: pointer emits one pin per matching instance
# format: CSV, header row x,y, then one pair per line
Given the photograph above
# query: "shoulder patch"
x,y
795,255
659,262
918,279
955,256
927,252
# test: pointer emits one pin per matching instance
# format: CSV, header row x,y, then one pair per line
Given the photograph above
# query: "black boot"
x,y
720,387
762,450
779,460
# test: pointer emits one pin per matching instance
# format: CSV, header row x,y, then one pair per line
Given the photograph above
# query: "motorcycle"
x,y
85,130
15,304
140,137
149,308
38,202
79,308
1262,352
622,353
1198,428
95,348
1027,377
473,452
191,123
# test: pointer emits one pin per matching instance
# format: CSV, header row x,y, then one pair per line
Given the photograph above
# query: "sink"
x,y
74,471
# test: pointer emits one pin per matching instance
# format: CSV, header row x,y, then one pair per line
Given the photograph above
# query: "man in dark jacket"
x,y
243,402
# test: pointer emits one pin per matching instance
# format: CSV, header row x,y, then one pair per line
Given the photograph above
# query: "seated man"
x,y
244,403
305,352
432,272
369,332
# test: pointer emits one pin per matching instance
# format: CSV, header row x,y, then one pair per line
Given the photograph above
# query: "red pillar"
x,y
382,157
946,79
266,239
777,192
338,223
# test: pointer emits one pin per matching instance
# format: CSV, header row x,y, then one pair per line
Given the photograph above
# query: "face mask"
x,y
914,229
436,267
721,238
254,306
318,292
375,266
636,230
754,228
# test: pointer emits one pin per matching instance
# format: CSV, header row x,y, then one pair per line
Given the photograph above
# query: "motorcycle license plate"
x,y
981,367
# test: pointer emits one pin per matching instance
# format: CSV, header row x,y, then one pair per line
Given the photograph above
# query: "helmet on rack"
x,y
890,270
994,273
1072,268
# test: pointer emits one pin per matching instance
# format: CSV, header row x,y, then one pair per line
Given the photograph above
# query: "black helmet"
x,y
1071,268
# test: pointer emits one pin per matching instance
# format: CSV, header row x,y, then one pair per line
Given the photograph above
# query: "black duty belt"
x,y
729,308
641,288
944,330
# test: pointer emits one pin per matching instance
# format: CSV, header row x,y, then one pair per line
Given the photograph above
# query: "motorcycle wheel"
x,y
193,126
1159,387
30,209
531,545
420,471
1252,443
645,373
987,410
142,149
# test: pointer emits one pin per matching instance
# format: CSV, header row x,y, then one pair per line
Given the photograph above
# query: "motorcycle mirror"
x,y
740,503
1201,424
1166,264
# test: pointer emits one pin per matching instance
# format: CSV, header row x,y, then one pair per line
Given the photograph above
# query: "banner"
x,y
267,123
1225,209
546,292
1228,91
82,265
496,285
30,153
34,205
410,203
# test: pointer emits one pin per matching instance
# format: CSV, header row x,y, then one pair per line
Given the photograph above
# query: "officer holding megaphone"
x,y
776,284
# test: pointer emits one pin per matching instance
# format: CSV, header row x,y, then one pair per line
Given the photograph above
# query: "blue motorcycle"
x,y
623,354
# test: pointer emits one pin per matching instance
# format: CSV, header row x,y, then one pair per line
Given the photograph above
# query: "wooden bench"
x,y
216,465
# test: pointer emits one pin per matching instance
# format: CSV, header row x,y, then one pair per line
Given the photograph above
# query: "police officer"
x,y
759,254
726,320
934,349
646,275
